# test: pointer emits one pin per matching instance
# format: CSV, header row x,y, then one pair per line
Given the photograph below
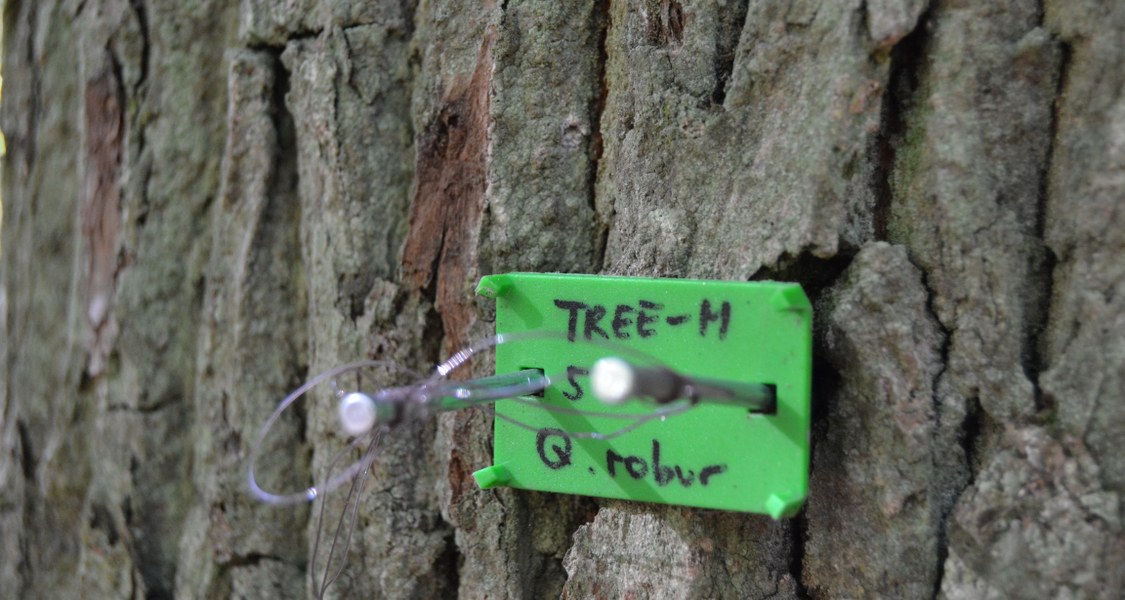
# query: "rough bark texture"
x,y
206,201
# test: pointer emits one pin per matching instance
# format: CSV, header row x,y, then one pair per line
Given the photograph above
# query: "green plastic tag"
x,y
711,456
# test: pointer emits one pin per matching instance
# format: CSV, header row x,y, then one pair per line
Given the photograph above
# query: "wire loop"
x,y
389,406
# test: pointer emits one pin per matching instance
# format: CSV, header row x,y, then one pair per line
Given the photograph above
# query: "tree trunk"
x,y
208,201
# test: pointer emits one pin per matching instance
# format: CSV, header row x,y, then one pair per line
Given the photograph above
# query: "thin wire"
x,y
664,412
429,394
348,516
562,410
435,394
320,517
331,483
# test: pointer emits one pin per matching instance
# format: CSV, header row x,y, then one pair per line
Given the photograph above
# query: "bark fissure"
x,y
1042,274
30,151
818,277
798,535
140,12
969,434
250,560
448,563
725,53
284,185
907,58
26,452
601,17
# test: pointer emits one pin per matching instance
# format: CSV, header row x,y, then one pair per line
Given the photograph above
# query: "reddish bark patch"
x,y
440,252
101,208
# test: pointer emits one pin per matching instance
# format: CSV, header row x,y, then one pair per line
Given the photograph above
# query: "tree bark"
x,y
205,202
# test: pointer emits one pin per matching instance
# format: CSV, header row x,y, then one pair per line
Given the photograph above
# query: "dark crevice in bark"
x,y
587,511
1041,281
277,48
825,381
141,13
725,51
35,92
601,18
448,564
144,408
817,276
970,433
145,550
249,560
283,189
101,518
27,453
906,59
539,575
283,180
798,535
972,430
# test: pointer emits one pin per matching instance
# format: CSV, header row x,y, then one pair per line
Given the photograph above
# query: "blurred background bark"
x,y
206,201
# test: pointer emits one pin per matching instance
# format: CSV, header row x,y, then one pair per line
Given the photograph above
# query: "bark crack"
x,y
252,559
601,17
725,53
906,61
1042,274
798,536
141,14
970,432
35,91
817,276
26,451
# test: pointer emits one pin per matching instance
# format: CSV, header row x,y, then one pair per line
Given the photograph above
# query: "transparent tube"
x,y
463,394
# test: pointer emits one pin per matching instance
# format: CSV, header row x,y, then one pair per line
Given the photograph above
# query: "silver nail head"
x,y
613,380
357,413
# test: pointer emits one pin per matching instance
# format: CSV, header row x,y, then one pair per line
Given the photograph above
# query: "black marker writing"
x,y
572,375
662,473
596,320
644,318
573,306
709,472
675,320
593,315
637,468
706,316
620,322
561,453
